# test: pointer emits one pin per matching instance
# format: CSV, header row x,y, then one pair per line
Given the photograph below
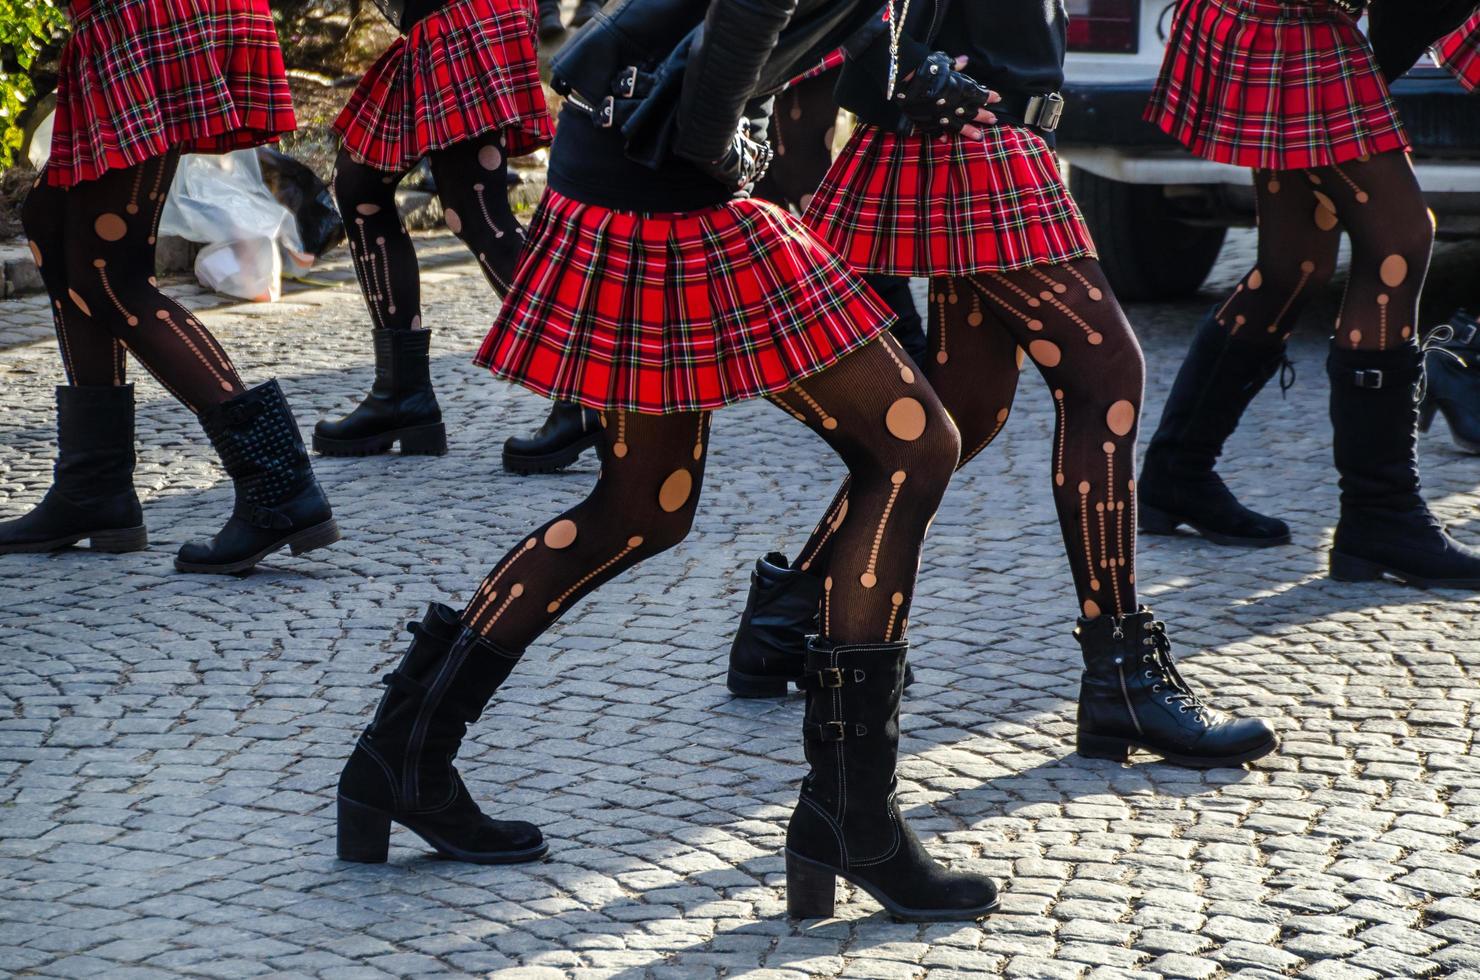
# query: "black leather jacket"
x,y
1401,32
649,68
1015,47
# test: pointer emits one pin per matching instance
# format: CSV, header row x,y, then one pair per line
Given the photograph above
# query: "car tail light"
x,y
1104,25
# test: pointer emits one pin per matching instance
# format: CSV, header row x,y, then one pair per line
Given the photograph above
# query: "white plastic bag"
x,y
221,201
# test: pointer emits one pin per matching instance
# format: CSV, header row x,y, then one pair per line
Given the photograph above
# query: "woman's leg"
x,y
471,181
401,406
1234,352
111,226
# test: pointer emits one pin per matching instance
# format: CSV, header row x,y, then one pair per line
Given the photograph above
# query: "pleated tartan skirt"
x,y
139,78
661,313
1460,53
1271,85
467,69
911,205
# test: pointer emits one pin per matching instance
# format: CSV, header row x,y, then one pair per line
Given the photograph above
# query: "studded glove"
x,y
939,98
744,163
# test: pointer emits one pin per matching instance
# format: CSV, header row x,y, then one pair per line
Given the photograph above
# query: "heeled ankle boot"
x,y
1452,380
401,769
568,431
1386,530
92,487
1131,696
769,650
1177,484
551,26
279,503
400,407
847,822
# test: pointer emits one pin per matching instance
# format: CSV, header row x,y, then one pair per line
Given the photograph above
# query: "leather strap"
x,y
1041,112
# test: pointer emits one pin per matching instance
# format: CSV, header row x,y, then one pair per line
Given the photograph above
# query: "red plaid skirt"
x,y
679,312
908,205
1460,53
1277,86
468,69
142,77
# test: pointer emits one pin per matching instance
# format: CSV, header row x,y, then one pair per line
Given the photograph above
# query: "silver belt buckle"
x,y
1044,111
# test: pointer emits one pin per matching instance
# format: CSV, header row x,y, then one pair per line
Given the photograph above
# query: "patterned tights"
x,y
870,407
471,182
1301,215
1068,322
94,246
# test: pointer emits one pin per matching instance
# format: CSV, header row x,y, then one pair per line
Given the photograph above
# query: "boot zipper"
x,y
1125,692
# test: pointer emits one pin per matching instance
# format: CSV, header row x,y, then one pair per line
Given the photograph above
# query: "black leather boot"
x,y
1386,530
568,431
1177,484
551,26
401,769
278,502
1131,696
1452,380
92,487
847,823
401,406
770,647
585,10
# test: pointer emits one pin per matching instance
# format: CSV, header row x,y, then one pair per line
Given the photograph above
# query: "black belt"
x,y
404,13
1041,112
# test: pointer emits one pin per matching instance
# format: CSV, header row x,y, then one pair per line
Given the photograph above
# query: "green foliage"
x,y
27,28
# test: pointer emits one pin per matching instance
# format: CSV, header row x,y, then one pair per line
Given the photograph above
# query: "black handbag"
x,y
404,13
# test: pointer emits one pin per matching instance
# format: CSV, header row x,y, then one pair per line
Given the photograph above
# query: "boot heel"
x,y
1345,568
1103,747
121,540
364,834
315,537
1153,521
1426,413
811,889
743,685
424,440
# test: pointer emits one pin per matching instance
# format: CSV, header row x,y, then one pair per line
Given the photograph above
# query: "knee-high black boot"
x,y
279,503
1177,484
568,431
1386,529
1131,695
401,406
1452,380
92,489
401,769
847,823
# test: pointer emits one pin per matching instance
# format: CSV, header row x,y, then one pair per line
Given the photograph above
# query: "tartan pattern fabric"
x,y
139,78
1279,86
1460,52
833,59
661,313
467,69
910,205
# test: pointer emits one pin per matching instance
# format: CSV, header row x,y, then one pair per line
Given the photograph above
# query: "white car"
x,y
1158,213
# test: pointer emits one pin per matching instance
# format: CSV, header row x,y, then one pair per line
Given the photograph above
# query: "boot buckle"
x,y
830,677
830,731
1367,378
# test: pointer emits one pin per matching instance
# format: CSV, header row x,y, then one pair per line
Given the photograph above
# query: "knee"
x,y
926,461
1294,279
41,219
359,188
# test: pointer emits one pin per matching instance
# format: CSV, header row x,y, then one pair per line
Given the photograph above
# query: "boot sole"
x,y
743,685
112,541
317,536
363,835
811,893
1164,523
1349,568
1119,750
415,440
549,462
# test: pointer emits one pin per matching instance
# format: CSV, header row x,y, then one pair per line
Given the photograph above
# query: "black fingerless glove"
x,y
940,99
744,163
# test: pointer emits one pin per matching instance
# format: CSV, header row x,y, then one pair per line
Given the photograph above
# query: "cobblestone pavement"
x,y
169,744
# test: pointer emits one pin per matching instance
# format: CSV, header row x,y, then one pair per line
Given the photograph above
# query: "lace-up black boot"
x,y
92,489
400,407
568,431
770,646
401,769
1131,696
847,823
1386,530
279,503
1177,484
1452,380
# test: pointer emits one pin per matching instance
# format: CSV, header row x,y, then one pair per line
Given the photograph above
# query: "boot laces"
x,y
1436,342
1160,668
1287,373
